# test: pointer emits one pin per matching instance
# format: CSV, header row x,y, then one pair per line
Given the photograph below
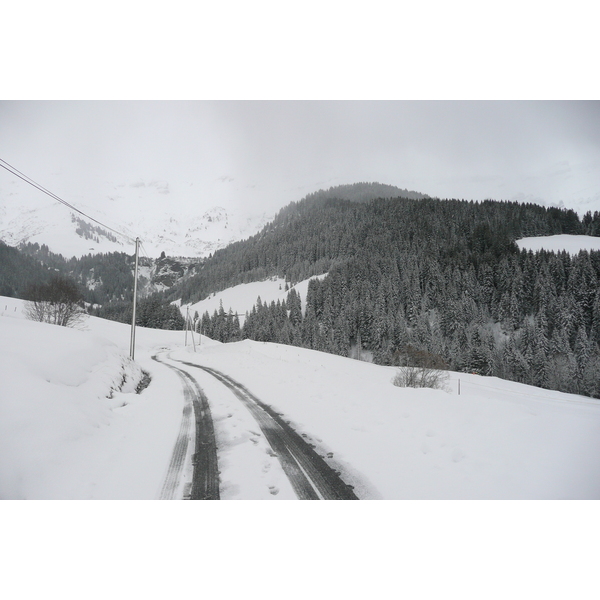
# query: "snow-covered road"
x,y
193,471
257,450
306,469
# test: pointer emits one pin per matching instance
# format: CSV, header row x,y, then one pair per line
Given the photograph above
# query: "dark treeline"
x,y
19,271
107,278
441,281
91,232
153,311
103,278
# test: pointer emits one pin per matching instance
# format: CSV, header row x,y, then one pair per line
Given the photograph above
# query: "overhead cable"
x,y
30,181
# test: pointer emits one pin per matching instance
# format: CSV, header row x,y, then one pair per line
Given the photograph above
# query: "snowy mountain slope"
x,y
62,437
52,224
177,219
241,298
557,243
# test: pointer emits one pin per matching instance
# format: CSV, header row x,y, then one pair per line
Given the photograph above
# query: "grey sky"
x,y
546,152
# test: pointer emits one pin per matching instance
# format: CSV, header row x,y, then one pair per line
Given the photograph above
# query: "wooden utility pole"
x,y
187,323
192,334
135,281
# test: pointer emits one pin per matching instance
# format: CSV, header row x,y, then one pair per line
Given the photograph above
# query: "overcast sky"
x,y
541,151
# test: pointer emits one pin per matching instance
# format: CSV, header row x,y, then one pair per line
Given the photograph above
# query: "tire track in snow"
x,y
205,478
311,477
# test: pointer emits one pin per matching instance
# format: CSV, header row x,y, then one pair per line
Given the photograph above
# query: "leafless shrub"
x,y
421,377
58,302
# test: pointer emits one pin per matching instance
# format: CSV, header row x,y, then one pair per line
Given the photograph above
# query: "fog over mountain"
x,y
175,161
152,210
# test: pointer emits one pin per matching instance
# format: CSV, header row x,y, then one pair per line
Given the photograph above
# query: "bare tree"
x,y
58,302
420,369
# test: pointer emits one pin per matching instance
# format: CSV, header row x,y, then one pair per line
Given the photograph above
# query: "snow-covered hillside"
x,y
64,434
557,243
241,298
153,211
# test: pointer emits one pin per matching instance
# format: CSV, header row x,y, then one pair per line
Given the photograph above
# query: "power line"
x,y
145,251
14,171
8,167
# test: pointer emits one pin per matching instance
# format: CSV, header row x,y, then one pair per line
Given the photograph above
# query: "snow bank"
x,y
59,386
71,424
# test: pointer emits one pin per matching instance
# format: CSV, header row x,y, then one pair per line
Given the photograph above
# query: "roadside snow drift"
x,y
71,424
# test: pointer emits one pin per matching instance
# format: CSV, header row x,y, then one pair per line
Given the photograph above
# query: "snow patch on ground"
x,y
558,243
241,298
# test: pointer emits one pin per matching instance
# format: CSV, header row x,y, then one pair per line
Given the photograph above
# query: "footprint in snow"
x,y
457,455
273,490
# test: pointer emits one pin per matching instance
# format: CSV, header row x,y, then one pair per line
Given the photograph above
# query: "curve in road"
x,y
311,477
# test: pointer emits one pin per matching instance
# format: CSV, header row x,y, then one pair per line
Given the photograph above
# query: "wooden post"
x,y
135,282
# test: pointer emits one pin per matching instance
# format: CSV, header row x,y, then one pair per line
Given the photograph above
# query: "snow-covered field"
x,y
497,439
242,298
64,434
557,243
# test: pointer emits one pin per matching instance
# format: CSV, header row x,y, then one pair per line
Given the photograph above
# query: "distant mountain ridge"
x,y
102,262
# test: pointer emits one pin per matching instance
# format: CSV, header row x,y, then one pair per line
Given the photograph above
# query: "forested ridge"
x,y
422,280
307,237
